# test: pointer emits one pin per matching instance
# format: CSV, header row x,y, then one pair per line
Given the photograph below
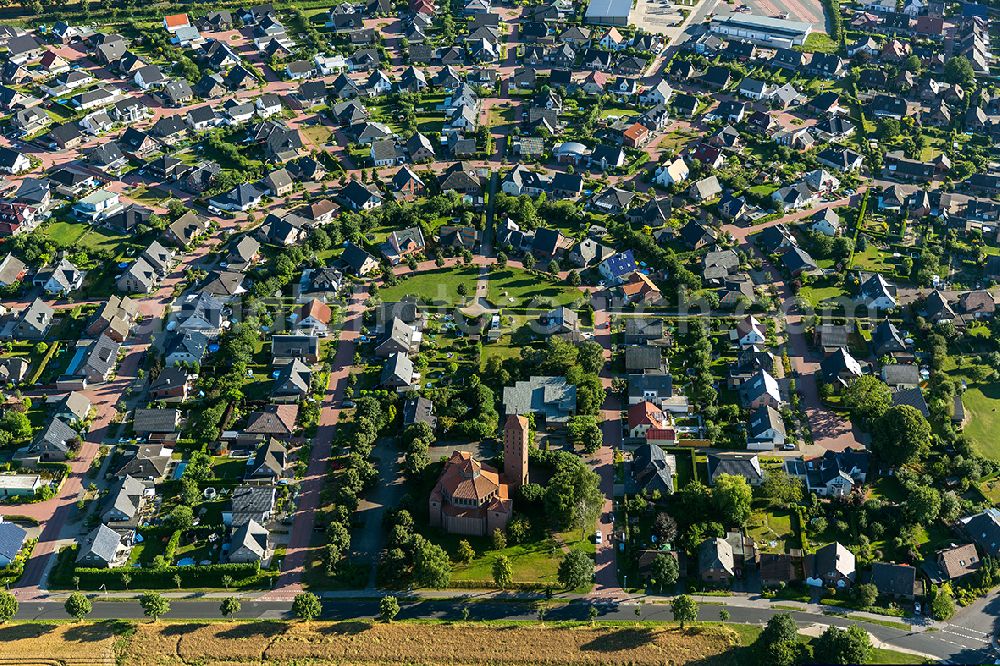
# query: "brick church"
x,y
473,498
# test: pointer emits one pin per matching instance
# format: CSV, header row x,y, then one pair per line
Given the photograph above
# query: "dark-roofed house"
x,y
956,562
268,462
295,346
735,464
896,581
156,421
833,565
12,538
103,548
766,430
652,470
716,562
53,443
419,410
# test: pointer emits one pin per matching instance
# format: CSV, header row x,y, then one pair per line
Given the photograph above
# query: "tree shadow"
x,y
265,629
91,632
345,628
17,632
182,629
621,639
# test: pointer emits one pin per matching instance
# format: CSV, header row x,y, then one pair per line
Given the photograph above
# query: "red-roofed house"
x,y
636,135
315,318
174,22
640,289
644,416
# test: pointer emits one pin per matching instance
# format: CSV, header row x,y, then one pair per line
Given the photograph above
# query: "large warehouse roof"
x,y
764,23
603,8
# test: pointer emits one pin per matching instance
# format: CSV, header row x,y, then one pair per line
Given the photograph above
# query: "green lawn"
x,y
438,286
514,287
816,295
80,236
983,419
820,42
773,531
875,260
534,562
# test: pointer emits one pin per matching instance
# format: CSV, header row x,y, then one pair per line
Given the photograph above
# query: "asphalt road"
x,y
954,644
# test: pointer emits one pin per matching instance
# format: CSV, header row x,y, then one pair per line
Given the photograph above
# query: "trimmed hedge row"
x,y
201,576
209,575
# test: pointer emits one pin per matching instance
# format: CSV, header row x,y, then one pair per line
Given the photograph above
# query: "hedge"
x,y
209,575
202,576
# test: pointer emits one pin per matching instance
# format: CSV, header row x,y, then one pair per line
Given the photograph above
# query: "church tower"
x,y
516,441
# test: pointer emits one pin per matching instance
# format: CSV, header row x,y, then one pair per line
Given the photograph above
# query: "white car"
x,y
598,537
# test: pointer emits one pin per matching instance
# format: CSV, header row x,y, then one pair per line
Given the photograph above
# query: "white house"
x,y
766,430
748,332
97,205
671,172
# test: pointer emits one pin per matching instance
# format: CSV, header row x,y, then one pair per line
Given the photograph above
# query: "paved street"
x,y
951,642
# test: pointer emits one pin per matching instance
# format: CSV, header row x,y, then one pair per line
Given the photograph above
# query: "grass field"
x,y
820,42
875,260
535,562
772,530
983,419
79,236
816,295
439,286
514,287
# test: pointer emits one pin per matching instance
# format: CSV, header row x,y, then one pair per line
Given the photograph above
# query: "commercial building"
x,y
764,30
608,12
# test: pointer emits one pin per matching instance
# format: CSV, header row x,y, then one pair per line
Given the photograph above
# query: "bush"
x,y
208,576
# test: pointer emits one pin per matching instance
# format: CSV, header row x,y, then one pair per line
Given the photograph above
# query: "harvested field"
x,y
78,644
168,644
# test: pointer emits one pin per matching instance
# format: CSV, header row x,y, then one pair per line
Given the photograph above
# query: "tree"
x,y
724,615
227,581
922,505
306,606
573,278
154,605
503,572
189,493
664,570
388,609
573,497
529,261
732,497
78,606
781,488
501,260
465,551
664,528
431,566
778,643
229,606
943,603
868,398
554,267
866,594
576,569
8,607
959,70
685,609
499,539
839,646
180,518
590,356
902,435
